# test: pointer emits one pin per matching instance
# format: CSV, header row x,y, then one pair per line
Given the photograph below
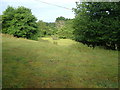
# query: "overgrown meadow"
x,y
67,64
81,52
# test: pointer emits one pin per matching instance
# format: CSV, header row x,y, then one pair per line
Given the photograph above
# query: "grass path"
x,y
42,64
61,42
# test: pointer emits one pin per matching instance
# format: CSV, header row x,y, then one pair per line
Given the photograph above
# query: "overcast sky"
x,y
42,11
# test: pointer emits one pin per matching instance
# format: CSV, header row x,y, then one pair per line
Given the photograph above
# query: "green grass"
x,y
67,64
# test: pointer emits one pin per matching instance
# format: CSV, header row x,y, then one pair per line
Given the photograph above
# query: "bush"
x,y
19,22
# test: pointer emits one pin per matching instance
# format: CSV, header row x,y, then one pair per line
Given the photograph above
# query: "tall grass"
x,y
43,64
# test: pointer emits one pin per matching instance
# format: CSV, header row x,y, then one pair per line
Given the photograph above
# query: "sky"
x,y
43,11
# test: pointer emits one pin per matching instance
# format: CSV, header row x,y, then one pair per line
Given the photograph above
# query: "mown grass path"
x,y
67,64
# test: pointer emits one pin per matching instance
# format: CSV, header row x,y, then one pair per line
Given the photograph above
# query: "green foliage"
x,y
19,22
52,28
42,28
98,23
46,29
0,23
65,29
60,18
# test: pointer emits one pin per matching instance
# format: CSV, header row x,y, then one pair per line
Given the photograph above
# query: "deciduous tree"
x,y
19,22
98,23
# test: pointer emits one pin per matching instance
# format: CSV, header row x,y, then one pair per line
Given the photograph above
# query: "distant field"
x,y
65,64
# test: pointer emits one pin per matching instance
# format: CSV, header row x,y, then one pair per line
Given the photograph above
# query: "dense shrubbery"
x,y
46,29
65,28
42,28
19,22
98,24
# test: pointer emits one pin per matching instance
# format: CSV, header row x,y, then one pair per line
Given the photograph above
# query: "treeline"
x,y
98,24
20,22
95,24
61,28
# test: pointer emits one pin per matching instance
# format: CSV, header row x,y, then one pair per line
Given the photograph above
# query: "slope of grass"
x,y
67,64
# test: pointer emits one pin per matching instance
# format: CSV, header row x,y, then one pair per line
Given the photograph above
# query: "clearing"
x,y
65,64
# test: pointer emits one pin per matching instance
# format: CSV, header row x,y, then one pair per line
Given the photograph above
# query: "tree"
x,y
64,27
60,18
66,30
42,28
19,22
46,29
97,23
52,28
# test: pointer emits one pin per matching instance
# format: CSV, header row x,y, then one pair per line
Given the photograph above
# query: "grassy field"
x,y
65,64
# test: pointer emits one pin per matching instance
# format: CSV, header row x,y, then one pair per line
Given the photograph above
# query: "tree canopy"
x,y
61,18
98,23
65,29
19,22
46,29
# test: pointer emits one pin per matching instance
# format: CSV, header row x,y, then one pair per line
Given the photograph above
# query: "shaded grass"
x,y
42,64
